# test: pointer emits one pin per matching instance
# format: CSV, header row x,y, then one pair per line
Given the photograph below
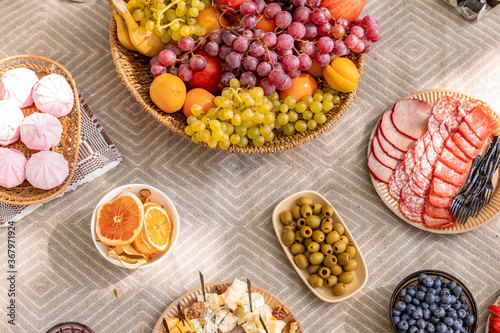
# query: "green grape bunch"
x,y
170,20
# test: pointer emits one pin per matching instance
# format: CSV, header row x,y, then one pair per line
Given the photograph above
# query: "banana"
x,y
122,32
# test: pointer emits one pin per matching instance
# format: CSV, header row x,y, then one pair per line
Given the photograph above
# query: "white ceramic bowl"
x,y
156,195
324,293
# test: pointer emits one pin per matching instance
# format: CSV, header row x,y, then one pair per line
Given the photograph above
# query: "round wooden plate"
x,y
487,213
188,298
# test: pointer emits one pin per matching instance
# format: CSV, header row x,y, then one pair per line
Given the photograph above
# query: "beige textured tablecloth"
x,y
225,201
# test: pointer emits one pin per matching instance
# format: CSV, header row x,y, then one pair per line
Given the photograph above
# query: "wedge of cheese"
x,y
257,302
228,323
234,293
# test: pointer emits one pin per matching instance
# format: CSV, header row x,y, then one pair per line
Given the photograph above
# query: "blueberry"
x,y
420,295
457,291
465,307
432,291
412,287
457,324
426,314
396,312
421,287
468,321
457,305
464,330
462,298
421,277
415,301
418,314
433,307
412,292
461,313
446,306
448,321
452,313
424,305
405,317
407,299
434,320
441,328
445,292
447,299
428,282
452,285
396,319
437,299
413,329
430,298
440,278
421,323
438,290
439,312
420,330
431,328
403,325
444,285
410,309
412,322
437,282
400,306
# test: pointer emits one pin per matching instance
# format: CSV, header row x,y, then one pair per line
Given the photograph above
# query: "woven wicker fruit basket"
x,y
26,194
133,69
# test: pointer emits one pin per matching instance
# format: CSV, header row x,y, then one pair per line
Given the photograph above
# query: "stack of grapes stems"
x,y
268,76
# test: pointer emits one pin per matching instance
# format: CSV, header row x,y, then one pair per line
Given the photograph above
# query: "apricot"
x,y
341,75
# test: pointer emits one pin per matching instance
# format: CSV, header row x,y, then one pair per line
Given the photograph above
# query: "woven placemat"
x,y
97,155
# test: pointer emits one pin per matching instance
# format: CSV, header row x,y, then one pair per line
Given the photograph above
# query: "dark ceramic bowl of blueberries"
x,y
433,301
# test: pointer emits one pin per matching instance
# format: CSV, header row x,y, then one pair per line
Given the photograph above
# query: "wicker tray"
x,y
188,298
26,194
133,69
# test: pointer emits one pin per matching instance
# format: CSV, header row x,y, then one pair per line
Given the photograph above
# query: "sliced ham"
x,y
445,106
466,107
434,211
470,136
449,175
452,147
481,122
435,222
439,201
410,117
453,162
382,157
443,189
378,170
388,147
391,134
465,146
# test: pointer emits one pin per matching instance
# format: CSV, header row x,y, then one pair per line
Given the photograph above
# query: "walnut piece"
x,y
218,290
280,313
196,310
291,327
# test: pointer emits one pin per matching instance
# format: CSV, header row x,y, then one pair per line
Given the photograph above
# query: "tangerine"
x,y
199,96
207,18
168,92
315,70
119,221
301,86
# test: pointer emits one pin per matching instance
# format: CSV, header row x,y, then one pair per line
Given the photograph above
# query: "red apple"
x,y
348,9
208,78
230,3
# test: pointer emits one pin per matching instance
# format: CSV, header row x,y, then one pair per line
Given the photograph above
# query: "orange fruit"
x,y
266,24
207,18
315,70
156,229
341,75
198,96
119,221
168,92
141,246
302,86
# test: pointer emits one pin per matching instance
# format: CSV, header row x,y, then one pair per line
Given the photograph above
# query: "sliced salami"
x,y
382,157
466,107
409,213
446,106
481,122
397,181
452,147
378,170
433,124
409,161
420,191
468,134
453,162
396,138
443,189
410,117
449,175
437,141
388,147
465,146
435,222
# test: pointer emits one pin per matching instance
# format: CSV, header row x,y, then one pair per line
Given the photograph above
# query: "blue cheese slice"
x,y
228,323
220,315
257,302
234,293
213,302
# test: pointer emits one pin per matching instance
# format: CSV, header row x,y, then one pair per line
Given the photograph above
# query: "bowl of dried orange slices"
x,y
135,226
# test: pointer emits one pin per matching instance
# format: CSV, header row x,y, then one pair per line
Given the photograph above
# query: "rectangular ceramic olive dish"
x,y
324,293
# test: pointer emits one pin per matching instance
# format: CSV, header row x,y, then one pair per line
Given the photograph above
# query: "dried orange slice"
x,y
156,230
141,246
119,221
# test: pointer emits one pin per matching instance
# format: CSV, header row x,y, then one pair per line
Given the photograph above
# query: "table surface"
x,y
225,201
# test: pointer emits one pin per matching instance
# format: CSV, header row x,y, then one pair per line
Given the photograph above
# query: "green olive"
x,y
326,249
336,269
313,247
351,250
304,201
314,221
296,212
326,227
307,241
307,254
344,239
338,227
338,247
331,281
286,217
343,259
327,210
306,232
316,258
301,261
327,219
301,222
298,248
292,227
306,211
324,272
316,281
332,237
288,237
298,237
318,236
317,208
313,269
330,260
350,266
346,277
339,289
